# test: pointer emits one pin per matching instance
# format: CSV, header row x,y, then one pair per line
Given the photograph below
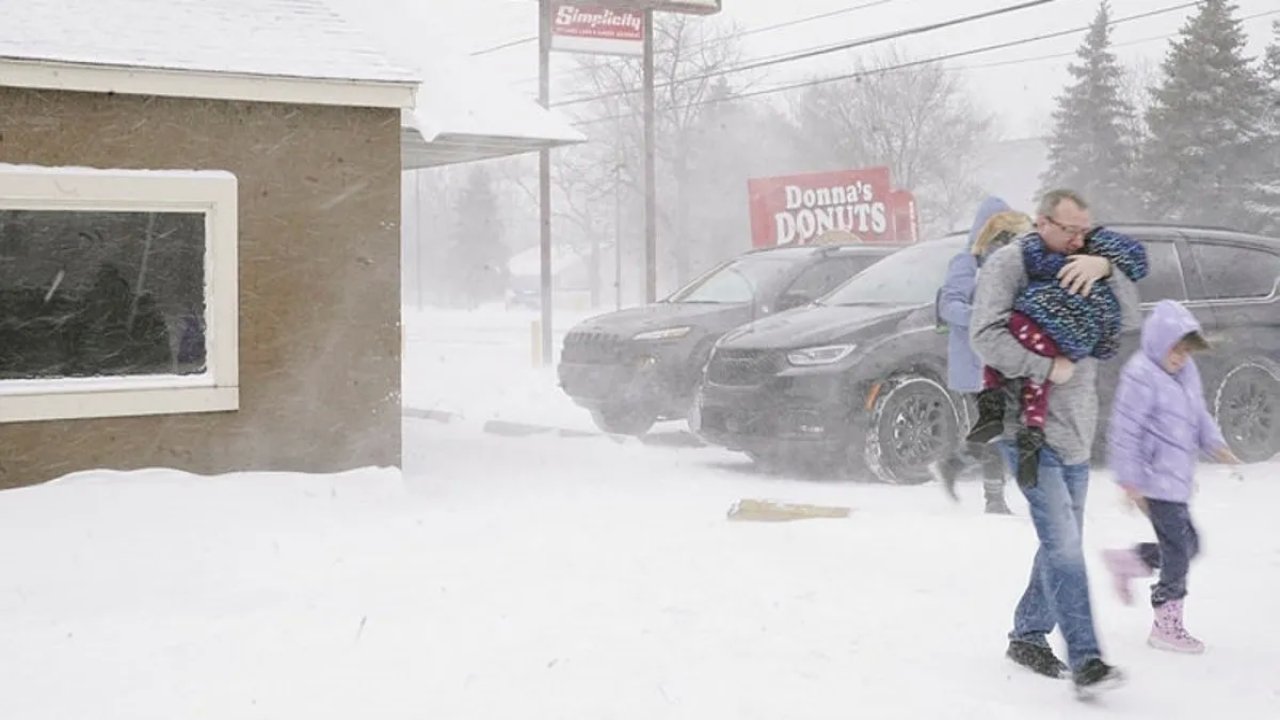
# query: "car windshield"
x,y
739,280
910,276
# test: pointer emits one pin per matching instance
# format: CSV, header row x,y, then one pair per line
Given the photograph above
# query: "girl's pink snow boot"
x,y
1167,632
1124,566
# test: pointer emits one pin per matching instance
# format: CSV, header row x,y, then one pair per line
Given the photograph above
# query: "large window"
x,y
117,292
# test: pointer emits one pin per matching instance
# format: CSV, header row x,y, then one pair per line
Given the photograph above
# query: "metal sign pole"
x,y
617,231
544,174
650,183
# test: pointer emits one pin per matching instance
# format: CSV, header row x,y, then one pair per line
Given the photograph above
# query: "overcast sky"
x,y
1022,92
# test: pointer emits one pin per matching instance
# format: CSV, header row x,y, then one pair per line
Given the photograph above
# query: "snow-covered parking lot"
x,y
579,576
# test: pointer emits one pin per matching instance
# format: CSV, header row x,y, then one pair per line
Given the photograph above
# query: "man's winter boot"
x,y
1124,566
1037,658
1029,442
1168,633
990,423
1095,676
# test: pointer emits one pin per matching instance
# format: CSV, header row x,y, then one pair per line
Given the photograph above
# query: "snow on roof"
x,y
459,95
462,112
301,51
465,114
277,38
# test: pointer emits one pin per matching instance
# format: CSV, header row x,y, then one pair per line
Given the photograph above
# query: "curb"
x,y
441,416
517,429
509,428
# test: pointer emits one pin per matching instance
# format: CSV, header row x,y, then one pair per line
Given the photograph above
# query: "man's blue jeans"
x,y
1058,592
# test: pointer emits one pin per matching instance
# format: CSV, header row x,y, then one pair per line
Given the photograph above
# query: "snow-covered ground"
x,y
579,577
483,365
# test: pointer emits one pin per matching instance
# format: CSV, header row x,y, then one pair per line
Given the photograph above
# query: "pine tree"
x,y
478,257
1271,64
1204,158
1091,149
1265,198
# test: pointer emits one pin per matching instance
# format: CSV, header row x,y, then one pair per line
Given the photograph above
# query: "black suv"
x,y
858,379
635,366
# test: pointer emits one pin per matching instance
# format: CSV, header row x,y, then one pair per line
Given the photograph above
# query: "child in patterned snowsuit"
x,y
1050,321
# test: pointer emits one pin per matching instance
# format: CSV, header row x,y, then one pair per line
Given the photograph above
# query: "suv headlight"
x,y
670,333
821,355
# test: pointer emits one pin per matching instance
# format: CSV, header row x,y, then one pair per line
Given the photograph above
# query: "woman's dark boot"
x,y
996,504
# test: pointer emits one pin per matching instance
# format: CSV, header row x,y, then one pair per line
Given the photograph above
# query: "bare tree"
x,y
690,55
916,120
582,189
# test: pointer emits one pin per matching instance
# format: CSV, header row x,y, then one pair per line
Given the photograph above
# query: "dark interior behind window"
x,y
89,293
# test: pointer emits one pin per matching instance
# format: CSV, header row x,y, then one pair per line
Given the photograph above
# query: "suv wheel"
x,y
914,423
1247,406
624,420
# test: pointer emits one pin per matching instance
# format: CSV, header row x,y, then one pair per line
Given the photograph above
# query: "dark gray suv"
x,y
633,367
858,379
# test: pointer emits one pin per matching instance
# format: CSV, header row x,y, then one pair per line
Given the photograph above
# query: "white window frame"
x,y
211,192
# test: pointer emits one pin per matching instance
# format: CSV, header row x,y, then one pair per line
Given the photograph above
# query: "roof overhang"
x,y
463,115
88,77
417,152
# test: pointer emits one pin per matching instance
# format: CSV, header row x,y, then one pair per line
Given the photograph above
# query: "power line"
x,y
745,33
1058,56
504,46
905,65
804,55
811,18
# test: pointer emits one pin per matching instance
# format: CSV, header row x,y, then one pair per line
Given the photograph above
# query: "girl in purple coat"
x,y
1159,426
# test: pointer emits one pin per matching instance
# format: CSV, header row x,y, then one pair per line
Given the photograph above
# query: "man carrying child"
x,y
1058,591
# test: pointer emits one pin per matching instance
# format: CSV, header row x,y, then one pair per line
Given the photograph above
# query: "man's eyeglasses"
x,y
1072,231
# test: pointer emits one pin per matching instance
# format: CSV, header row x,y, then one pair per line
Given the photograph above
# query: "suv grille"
x,y
742,367
594,348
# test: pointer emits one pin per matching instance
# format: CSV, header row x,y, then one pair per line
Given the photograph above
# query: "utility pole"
x,y
544,174
650,172
617,230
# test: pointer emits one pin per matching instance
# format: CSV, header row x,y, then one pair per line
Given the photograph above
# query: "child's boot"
x,y
1124,566
1168,633
990,423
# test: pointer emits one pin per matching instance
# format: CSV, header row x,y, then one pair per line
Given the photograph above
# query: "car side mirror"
x,y
793,300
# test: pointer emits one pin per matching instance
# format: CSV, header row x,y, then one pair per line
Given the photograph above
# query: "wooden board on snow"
x,y
750,510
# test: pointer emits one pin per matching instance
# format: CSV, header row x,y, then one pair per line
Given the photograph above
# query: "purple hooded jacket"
x,y
1159,422
954,305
